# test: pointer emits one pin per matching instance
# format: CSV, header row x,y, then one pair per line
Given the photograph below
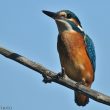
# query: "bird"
x,y
76,51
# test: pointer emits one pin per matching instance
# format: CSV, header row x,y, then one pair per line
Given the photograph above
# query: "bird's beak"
x,y
50,14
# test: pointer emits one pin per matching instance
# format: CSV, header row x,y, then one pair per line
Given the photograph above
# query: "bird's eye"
x,y
62,16
68,15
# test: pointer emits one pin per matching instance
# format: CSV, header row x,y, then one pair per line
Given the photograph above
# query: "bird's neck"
x,y
63,26
66,25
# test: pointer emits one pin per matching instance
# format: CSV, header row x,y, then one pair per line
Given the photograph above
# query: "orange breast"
x,y
73,57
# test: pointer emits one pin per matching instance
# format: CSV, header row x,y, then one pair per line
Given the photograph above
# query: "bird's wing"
x,y
90,50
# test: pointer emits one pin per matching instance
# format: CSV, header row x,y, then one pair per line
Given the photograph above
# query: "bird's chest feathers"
x,y
72,40
70,48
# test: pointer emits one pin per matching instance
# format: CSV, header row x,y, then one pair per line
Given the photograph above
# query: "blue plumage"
x,y
75,27
89,44
68,12
90,50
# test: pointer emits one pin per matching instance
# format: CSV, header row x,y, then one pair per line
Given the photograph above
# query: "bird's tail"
x,y
81,99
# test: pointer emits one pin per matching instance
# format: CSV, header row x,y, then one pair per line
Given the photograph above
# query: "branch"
x,y
50,75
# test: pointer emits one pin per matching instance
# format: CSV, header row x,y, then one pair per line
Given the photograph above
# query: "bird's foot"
x,y
50,79
62,73
81,83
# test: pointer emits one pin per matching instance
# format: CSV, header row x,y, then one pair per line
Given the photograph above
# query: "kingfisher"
x,y
76,51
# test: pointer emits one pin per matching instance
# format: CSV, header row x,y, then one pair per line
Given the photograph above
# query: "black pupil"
x,y
68,15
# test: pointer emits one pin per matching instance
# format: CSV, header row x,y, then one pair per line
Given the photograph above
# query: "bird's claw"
x,y
61,74
80,83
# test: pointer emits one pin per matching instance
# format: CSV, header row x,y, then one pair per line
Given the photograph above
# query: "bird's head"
x,y
65,19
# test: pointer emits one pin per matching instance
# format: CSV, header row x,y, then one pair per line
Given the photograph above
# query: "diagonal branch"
x,y
50,75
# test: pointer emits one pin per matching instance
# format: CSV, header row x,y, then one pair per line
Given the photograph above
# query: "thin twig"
x,y
50,76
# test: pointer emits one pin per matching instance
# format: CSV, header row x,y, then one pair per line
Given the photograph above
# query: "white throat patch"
x,y
63,25
80,28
